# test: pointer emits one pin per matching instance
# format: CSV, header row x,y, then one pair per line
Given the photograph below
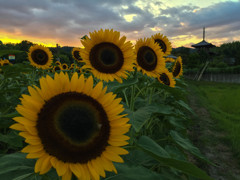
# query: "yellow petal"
x,y
24,121
93,172
35,95
81,83
74,81
46,165
117,143
119,138
117,150
38,164
33,141
61,168
67,175
18,127
98,167
107,164
88,85
112,156
32,148
119,122
77,170
27,113
35,155
97,90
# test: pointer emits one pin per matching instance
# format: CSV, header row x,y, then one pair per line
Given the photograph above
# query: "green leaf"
x,y
142,115
12,139
187,145
127,172
184,105
16,167
154,150
116,86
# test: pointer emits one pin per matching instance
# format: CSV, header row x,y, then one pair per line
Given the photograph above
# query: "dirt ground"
x,y
212,143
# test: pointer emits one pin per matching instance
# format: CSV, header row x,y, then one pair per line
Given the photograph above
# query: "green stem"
x,y
132,97
125,96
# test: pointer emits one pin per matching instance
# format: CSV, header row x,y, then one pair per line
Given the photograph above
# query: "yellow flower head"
x,y
149,57
107,55
72,126
76,54
165,77
64,66
40,56
163,43
177,69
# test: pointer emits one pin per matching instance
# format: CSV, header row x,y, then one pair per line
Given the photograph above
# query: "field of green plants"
x,y
222,101
97,124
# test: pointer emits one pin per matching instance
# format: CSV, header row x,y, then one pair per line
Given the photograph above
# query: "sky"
x,y
64,22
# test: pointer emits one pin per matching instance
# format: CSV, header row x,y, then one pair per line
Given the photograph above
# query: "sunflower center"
x,y
164,78
77,122
76,55
147,58
177,69
39,56
57,68
161,44
73,127
106,58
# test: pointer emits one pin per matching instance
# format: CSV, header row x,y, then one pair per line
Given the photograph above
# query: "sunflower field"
x,y
117,112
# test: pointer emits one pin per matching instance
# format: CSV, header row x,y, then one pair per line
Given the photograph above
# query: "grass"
x,y
222,100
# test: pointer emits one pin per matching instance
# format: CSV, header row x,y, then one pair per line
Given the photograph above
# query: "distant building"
x,y
203,44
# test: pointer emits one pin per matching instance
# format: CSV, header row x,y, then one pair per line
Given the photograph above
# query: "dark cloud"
x,y
67,20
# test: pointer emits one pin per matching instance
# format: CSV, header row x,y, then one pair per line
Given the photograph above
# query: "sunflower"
x,y
177,69
163,42
76,54
149,57
165,77
107,55
40,56
72,126
64,66
58,63
5,62
57,68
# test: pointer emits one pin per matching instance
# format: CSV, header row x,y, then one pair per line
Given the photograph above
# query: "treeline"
x,y
228,54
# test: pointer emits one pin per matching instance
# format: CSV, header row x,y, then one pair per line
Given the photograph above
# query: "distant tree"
x,y
24,45
231,50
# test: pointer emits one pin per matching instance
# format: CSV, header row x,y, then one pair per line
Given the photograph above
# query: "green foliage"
x,y
158,137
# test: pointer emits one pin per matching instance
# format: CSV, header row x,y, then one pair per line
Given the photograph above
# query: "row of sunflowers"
x,y
78,123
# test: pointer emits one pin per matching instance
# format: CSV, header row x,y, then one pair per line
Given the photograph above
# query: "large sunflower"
x,y
76,54
165,77
177,69
163,42
72,126
149,57
107,55
40,56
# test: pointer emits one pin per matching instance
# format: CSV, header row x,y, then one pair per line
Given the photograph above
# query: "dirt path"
x,y
211,143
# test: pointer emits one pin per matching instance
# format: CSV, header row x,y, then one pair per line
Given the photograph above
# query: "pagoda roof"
x,y
203,43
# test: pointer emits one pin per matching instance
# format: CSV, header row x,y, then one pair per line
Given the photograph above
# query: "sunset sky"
x,y
64,22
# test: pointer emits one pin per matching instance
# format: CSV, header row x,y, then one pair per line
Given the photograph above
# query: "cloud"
x,y
67,21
